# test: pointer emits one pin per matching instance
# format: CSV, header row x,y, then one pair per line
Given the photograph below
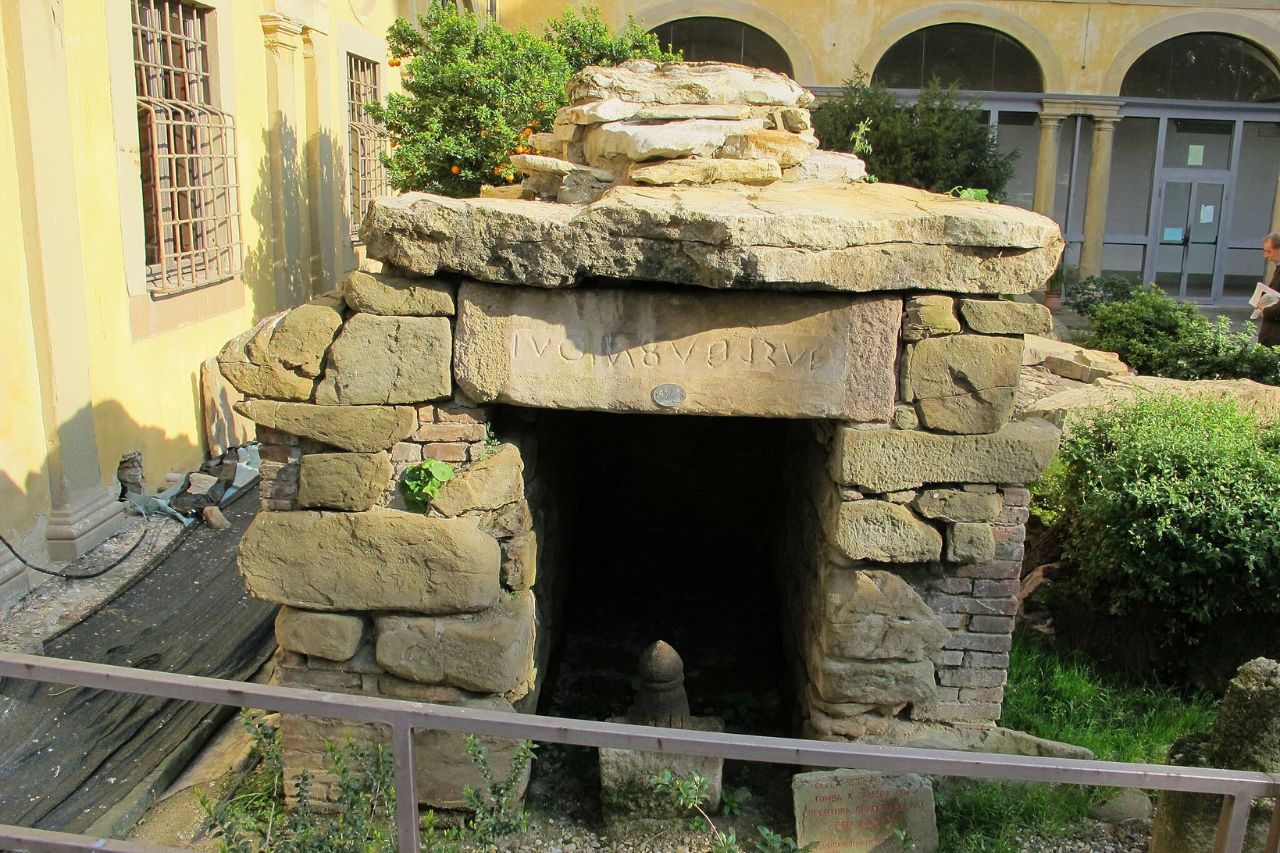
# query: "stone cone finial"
x,y
660,699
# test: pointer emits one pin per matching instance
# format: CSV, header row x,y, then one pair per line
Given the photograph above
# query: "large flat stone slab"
x,y
769,355
886,460
362,429
379,560
647,82
786,236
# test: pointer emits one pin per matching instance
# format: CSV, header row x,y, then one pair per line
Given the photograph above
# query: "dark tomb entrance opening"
x,y
664,527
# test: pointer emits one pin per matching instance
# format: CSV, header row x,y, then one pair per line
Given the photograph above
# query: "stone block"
x,y
994,623
883,682
626,779
379,360
872,615
1003,317
884,532
646,82
888,460
827,167
638,141
689,353
962,383
864,810
698,170
520,562
280,357
447,451
929,315
486,652
489,484
333,636
1000,642
956,505
972,677
451,432
784,236
362,429
970,542
390,295
378,560
779,146
347,481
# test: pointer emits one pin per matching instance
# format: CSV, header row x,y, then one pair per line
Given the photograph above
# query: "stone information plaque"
x,y
713,353
864,810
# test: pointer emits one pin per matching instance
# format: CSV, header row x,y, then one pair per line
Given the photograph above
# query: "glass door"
x,y
1186,256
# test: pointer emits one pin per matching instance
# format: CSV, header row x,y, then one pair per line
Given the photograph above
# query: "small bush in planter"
x,y
1174,516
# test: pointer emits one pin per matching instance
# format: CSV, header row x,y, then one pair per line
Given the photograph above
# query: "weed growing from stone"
x,y
690,793
422,482
254,818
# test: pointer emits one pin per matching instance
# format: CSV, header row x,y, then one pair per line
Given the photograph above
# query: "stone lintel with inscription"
x,y
688,352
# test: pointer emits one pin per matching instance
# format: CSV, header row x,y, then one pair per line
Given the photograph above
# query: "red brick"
x,y
980,642
986,660
992,624
972,677
1016,496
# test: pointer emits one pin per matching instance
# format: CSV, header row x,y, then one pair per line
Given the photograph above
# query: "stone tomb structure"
x,y
685,252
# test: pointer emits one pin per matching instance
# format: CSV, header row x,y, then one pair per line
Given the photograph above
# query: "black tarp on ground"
x,y
69,755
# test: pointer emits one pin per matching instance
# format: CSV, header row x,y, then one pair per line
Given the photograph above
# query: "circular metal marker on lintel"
x,y
669,395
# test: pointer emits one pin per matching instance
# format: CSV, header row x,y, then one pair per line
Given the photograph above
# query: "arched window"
x,y
723,40
966,55
1204,67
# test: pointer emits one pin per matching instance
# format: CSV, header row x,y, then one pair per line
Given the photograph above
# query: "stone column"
x,y
1047,162
1095,209
83,511
289,252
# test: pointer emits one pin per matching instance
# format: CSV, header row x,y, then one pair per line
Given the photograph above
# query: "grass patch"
x,y
1063,696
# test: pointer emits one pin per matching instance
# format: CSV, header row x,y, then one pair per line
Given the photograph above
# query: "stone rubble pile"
x,y
678,124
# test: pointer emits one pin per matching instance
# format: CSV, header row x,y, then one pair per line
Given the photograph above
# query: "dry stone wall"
x,y
792,291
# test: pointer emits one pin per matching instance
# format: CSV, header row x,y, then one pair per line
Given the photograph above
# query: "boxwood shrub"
x,y
1173,514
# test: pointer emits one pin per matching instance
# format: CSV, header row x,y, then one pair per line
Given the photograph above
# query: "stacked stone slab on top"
x,y
742,275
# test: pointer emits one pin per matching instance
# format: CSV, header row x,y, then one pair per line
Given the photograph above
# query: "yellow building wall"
x,y
1084,48
141,355
24,482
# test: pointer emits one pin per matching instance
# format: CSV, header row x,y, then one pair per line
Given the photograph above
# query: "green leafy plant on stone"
x,y
422,482
691,793
970,194
475,92
937,142
730,804
904,839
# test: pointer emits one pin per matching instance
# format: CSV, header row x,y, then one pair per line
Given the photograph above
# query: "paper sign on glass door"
x,y
1206,214
1195,155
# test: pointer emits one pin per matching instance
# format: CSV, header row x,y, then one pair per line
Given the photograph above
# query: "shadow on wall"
x,y
24,506
303,227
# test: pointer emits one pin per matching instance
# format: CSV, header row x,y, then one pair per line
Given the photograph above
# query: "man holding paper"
x,y
1266,300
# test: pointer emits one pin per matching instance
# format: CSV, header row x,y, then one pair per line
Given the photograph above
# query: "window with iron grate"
x,y
190,194
367,176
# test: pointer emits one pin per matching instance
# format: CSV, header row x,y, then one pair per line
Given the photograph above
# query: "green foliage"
x,y
1156,334
254,819
730,805
691,793
1049,496
422,482
1174,510
936,143
971,194
1062,696
1142,329
474,91
496,805
583,39
1096,290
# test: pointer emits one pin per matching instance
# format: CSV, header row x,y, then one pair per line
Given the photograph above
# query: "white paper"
x,y
1206,214
1263,297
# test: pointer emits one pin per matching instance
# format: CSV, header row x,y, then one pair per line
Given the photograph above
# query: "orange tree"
x,y
475,92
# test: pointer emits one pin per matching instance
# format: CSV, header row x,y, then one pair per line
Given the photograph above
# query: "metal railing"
x,y
1238,788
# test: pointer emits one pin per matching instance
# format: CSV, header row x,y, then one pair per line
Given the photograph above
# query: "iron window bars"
x,y
367,176
190,193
